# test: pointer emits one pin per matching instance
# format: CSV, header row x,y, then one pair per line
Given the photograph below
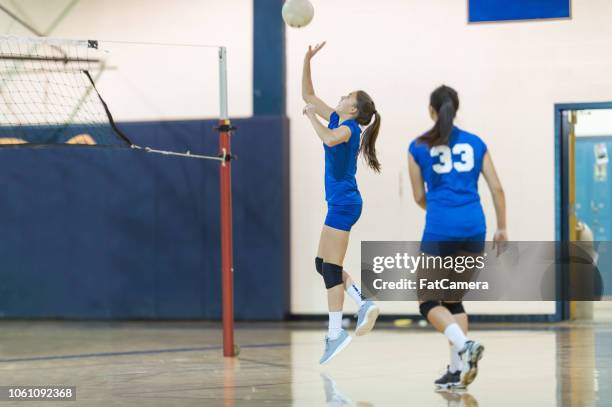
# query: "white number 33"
x,y
446,165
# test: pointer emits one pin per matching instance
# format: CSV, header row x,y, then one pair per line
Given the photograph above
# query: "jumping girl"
x,y
342,143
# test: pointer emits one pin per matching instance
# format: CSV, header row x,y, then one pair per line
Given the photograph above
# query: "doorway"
x,y
584,194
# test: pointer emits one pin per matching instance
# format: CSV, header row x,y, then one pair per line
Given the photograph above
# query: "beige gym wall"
x,y
509,76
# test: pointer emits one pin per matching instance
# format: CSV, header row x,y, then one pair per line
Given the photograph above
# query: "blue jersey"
x,y
341,166
451,175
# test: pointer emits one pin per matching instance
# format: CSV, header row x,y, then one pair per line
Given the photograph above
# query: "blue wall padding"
x,y
500,10
111,233
269,59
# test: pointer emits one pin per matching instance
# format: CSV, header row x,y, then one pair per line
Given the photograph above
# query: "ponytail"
x,y
365,112
445,101
368,143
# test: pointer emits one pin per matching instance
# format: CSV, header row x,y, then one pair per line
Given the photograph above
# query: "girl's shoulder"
x,y
471,138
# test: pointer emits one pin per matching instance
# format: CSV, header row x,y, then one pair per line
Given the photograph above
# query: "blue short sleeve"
x,y
334,119
484,147
353,127
413,149
334,123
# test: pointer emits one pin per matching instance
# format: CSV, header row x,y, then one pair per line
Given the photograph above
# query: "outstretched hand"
x,y
313,51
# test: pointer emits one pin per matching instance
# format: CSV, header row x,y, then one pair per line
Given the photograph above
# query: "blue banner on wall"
x,y
504,10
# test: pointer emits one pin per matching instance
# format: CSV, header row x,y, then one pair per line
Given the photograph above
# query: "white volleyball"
x,y
298,13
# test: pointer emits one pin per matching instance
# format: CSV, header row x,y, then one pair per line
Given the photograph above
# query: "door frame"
x,y
562,311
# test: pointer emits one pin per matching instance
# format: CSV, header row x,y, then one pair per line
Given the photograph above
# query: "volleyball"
x,y
298,13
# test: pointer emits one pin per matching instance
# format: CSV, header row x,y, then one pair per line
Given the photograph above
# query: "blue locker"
x,y
593,198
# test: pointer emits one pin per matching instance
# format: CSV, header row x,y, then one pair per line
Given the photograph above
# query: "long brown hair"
x,y
366,110
445,101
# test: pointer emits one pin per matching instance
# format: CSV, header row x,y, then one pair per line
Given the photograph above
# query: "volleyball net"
x,y
49,97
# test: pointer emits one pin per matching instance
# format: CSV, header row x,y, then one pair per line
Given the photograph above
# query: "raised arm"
x,y
330,137
499,198
308,93
416,180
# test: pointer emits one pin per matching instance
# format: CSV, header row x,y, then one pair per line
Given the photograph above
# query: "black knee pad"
x,y
454,307
427,306
332,275
319,265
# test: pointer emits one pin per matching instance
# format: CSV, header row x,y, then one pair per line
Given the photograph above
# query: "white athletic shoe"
x,y
366,318
335,346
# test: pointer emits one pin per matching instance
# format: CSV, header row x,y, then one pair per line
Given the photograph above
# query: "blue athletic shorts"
x,y
440,245
342,217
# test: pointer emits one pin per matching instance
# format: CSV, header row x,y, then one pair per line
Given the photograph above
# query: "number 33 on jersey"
x,y
445,155
451,171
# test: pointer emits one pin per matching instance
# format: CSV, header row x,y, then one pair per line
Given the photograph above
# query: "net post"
x,y
223,83
227,266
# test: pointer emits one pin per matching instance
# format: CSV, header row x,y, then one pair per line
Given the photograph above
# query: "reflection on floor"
x,y
180,364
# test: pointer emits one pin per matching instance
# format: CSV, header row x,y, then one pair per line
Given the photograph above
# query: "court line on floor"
x,y
259,362
139,352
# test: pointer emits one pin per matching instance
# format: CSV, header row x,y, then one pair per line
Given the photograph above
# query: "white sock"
x,y
335,325
355,293
455,361
454,334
